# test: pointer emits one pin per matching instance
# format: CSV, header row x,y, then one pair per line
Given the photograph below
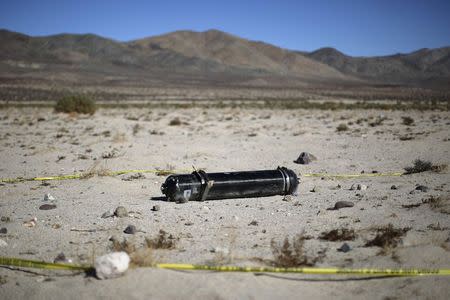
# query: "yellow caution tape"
x,y
168,172
325,175
87,175
27,263
316,271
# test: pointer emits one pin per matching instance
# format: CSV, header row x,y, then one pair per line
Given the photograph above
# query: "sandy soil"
x,y
38,142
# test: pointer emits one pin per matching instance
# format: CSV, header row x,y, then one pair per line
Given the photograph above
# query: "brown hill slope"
x,y
230,50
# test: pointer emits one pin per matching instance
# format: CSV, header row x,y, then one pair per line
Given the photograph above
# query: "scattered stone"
x,y
188,223
344,248
422,188
107,214
134,177
314,189
30,223
131,229
61,258
3,243
361,187
205,208
305,158
111,265
47,206
156,208
48,197
253,223
288,198
394,187
5,219
235,218
343,204
219,250
121,212
3,230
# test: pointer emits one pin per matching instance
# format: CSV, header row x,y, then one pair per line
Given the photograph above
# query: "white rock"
x,y
220,250
48,197
361,187
111,265
3,243
205,208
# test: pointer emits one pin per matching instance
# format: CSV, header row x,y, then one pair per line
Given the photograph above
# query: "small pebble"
x,y
305,158
156,208
131,229
361,187
3,243
48,197
107,214
253,223
342,204
422,188
61,258
288,198
3,230
344,248
393,187
121,212
47,206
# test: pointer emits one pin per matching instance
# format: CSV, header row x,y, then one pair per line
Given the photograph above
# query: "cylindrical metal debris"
x,y
200,186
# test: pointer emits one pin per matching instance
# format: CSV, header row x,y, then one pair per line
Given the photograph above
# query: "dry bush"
x,y
287,254
96,170
423,166
342,127
439,203
161,241
341,234
142,256
387,237
407,121
76,104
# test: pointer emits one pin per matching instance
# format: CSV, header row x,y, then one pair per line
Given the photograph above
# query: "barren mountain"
x,y
210,58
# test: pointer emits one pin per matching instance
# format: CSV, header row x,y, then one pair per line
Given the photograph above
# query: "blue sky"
x,y
356,27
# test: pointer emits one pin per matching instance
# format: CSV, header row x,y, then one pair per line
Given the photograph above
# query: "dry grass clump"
x,y
439,203
387,237
76,104
341,234
140,256
420,166
162,241
287,254
96,170
407,121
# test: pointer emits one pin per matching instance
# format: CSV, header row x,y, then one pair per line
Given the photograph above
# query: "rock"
x,y
422,188
3,230
288,198
5,219
47,206
253,223
111,265
61,258
131,229
30,223
344,248
235,218
342,204
156,208
361,187
3,243
121,212
48,197
107,214
220,250
205,208
305,158
315,189
394,187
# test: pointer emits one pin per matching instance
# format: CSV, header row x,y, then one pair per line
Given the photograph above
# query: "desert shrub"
x,y
76,104
292,254
342,127
419,166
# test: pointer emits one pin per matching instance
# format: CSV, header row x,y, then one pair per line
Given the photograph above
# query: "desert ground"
x,y
78,219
